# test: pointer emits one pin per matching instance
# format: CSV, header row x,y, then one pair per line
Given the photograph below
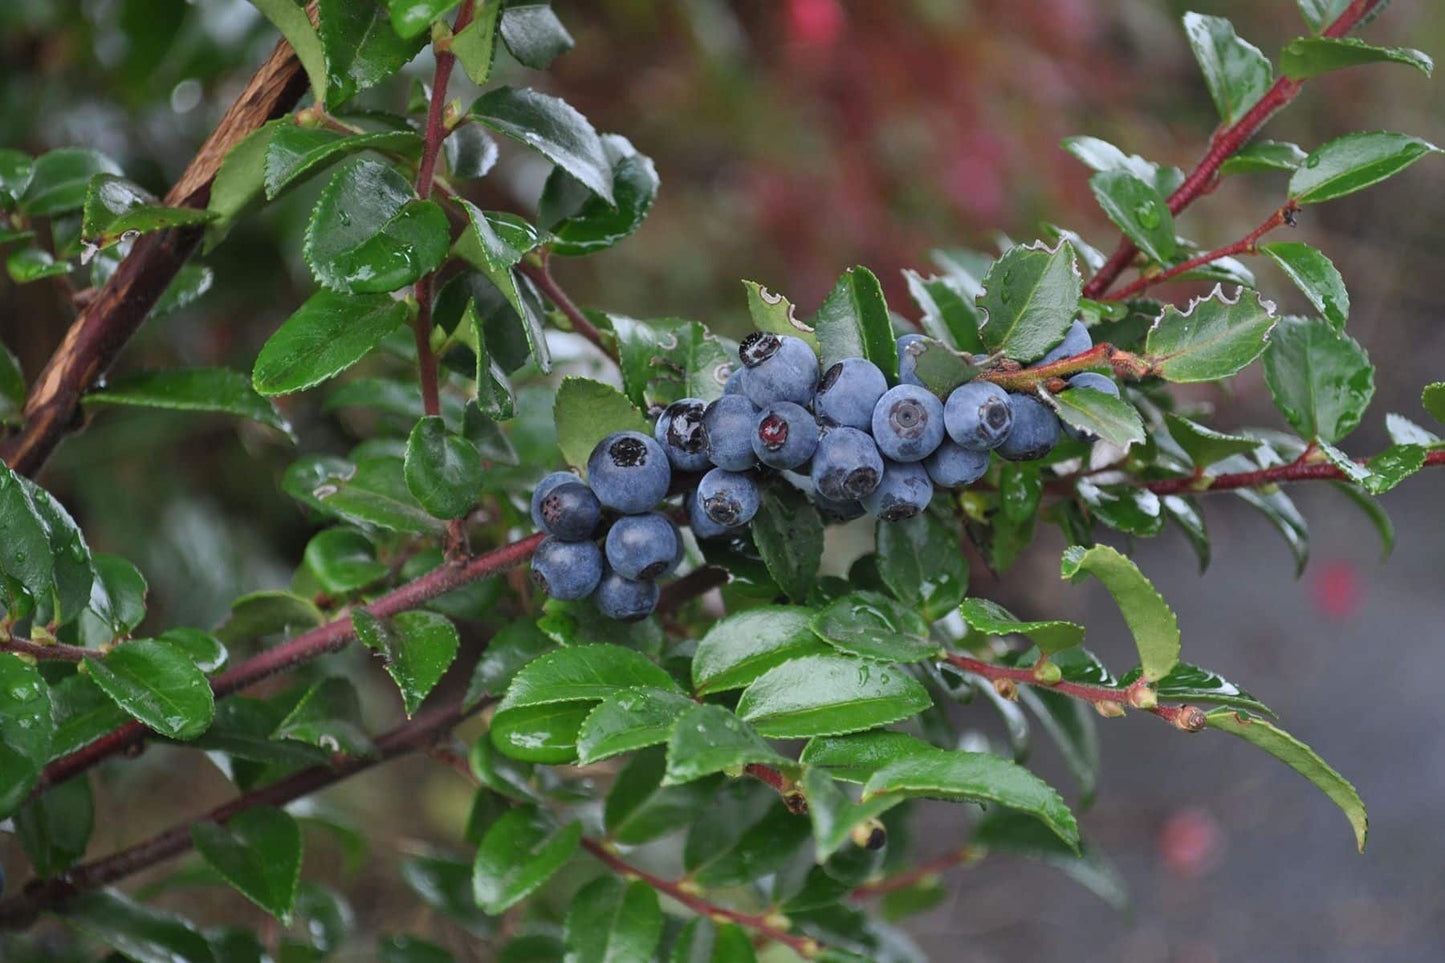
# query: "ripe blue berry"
x,y
1077,340
785,436
1096,382
849,392
543,489
846,465
566,570
908,362
570,511
697,520
679,431
1035,430
954,466
838,511
908,423
728,498
734,384
625,600
978,415
629,472
779,368
727,425
904,492
643,546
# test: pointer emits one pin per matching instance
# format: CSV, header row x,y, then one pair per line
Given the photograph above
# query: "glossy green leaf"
x,y
1322,381
553,128
374,492
855,758
293,153
1152,622
667,359
853,323
326,916
1212,339
411,17
515,645
1235,71
1139,210
291,19
325,336
26,556
873,626
28,264
1321,13
495,397
922,563
258,851
518,854
1185,513
494,243
640,807
445,885
418,648
1102,156
242,732
1263,155
1403,431
817,695
1299,757
582,223
54,827
443,470
709,739
267,613
775,313
158,684
789,537
59,179
26,727
476,44
202,648
15,170
82,713
328,715
533,34
1392,466
1432,398
704,941
1030,297
975,777
611,921
588,411
1306,57
137,932
754,848
738,649
589,672
1354,162
115,209
939,367
1316,277
238,182
834,815
1124,507
343,560
629,719
191,389
1203,444
949,312
368,234
1112,419
360,47
1189,683
1003,831
67,590
991,618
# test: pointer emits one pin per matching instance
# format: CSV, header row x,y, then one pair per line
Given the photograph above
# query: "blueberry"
x,y
978,415
624,599
543,489
643,546
734,384
702,526
834,511
954,466
570,511
846,465
785,435
849,392
628,472
1077,340
904,492
907,362
1035,430
1096,382
908,423
679,431
727,425
779,368
566,570
727,497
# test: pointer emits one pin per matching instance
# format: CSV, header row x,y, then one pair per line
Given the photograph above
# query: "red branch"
x,y
541,276
917,874
1295,471
1222,146
54,651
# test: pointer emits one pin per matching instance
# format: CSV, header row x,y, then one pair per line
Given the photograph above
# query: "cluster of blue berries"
x,y
857,444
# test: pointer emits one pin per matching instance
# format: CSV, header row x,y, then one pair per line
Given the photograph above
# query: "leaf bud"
x,y
1109,709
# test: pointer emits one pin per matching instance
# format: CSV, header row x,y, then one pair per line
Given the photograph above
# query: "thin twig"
x,y
1293,472
541,276
928,869
52,651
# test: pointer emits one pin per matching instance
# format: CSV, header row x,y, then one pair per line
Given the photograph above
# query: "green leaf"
x,y
192,389
82,713
1306,57
411,17
949,312
855,758
1432,398
1264,155
709,739
553,128
403,948
476,44
991,618
872,626
1321,13
1030,297
921,562
1299,757
137,932
343,560
704,941
515,645
1322,381
60,577
1316,277
374,492
1112,419
1210,340
627,720
816,695
291,19
741,647
54,827
258,851
1070,724
12,385
443,470
975,777
1190,683
939,367
326,916
328,715
762,847
267,613
446,885
1203,444
360,47
1014,833
1392,466
640,808
117,599
789,537
293,153
418,647
582,223
834,815
15,170
115,208
325,336
518,854
29,264
1124,507
158,685
1152,622
1235,71
238,182
611,921
495,243
1403,431
368,234
775,313
853,323
1102,156
26,728
533,34
59,180
1139,210
1354,162
668,359
202,648
588,411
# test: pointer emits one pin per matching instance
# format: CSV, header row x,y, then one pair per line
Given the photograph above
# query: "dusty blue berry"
x,y
697,520
679,431
908,423
849,392
907,361
954,466
626,600
978,415
570,511
728,427
904,491
846,465
779,368
566,570
728,498
643,546
785,436
1077,340
1035,430
629,472
543,489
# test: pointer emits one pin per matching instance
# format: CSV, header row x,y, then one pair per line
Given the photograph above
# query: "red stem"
x,y
1222,146
907,878
54,651
541,276
1295,471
